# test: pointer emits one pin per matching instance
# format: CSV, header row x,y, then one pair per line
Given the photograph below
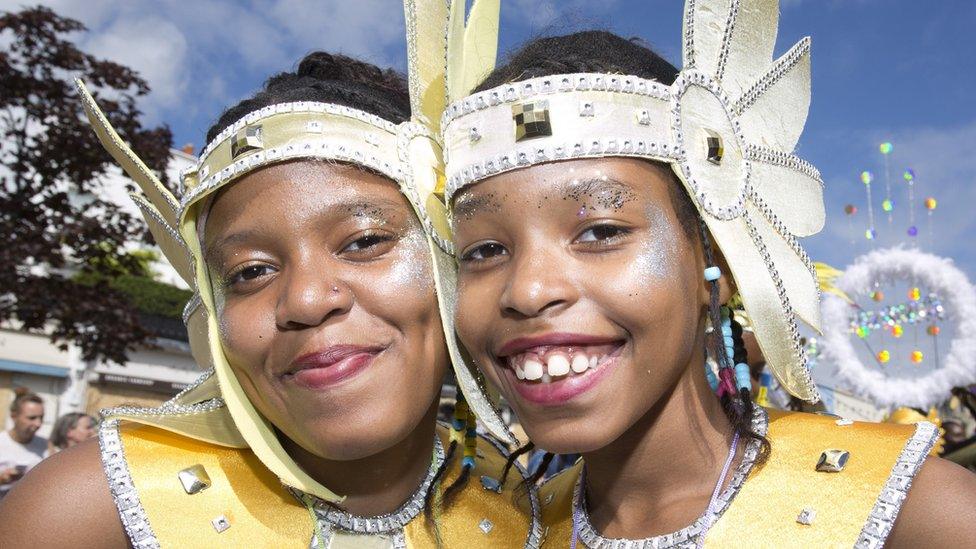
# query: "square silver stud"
x,y
586,109
644,117
194,479
220,524
548,499
531,120
714,147
486,526
844,422
807,516
246,140
314,126
832,460
474,135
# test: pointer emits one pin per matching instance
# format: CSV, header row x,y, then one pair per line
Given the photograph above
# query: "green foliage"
x,y
145,294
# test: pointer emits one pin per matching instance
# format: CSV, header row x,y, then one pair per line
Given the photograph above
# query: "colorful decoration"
x,y
884,356
877,295
909,177
931,203
885,149
897,330
863,332
928,309
915,294
912,231
917,357
866,178
933,330
850,209
956,301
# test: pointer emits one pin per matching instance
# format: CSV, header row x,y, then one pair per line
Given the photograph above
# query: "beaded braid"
x,y
733,383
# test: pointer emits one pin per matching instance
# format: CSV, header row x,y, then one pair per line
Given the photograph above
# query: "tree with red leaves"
x,y
61,243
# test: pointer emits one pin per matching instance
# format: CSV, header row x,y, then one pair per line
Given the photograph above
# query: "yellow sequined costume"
x,y
787,502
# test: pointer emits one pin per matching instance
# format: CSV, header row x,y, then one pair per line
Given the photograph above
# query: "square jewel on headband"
x,y
246,140
531,120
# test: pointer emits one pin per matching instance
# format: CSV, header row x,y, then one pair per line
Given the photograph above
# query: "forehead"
x,y
602,182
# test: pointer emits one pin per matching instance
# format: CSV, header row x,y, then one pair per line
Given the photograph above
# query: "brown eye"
x,y
602,233
249,274
484,252
369,245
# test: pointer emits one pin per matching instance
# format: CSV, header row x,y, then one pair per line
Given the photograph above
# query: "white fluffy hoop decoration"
x,y
937,275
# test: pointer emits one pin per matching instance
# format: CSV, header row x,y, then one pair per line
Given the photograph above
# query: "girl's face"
x,y
326,305
581,296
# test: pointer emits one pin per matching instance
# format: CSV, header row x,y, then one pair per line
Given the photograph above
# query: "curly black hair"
x,y
329,78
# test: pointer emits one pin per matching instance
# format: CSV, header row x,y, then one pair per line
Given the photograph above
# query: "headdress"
x,y
217,410
727,126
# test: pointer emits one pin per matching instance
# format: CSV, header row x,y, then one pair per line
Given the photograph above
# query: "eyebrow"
x,y
609,192
374,207
468,204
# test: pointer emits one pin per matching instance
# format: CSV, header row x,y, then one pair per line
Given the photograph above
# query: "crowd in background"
x,y
21,448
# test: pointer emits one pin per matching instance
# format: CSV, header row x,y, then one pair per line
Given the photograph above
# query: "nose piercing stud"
x,y
335,289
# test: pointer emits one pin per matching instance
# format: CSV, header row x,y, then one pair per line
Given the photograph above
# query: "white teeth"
x,y
519,372
594,361
580,363
558,365
533,369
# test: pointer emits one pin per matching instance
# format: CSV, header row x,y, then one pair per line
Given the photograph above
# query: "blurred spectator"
x,y
955,432
20,447
70,429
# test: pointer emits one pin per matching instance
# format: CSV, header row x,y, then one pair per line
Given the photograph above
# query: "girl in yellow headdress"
x,y
605,208
320,314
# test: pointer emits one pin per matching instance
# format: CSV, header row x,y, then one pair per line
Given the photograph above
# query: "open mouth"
x,y
551,363
554,368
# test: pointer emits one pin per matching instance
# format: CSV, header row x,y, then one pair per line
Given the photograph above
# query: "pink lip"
x,y
556,339
559,392
331,366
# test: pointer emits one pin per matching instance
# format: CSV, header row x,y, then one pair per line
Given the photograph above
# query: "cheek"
x,y
247,328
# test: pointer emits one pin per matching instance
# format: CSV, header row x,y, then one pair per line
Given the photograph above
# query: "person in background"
x,y
21,448
70,429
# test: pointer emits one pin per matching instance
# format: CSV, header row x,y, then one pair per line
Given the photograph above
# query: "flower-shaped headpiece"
x,y
727,126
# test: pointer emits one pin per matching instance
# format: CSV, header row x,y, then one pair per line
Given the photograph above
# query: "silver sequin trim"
x,y
780,68
534,539
888,504
391,524
784,160
687,537
133,516
723,55
171,407
512,93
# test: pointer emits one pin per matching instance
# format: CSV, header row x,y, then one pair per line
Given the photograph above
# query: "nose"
x,y
537,285
311,296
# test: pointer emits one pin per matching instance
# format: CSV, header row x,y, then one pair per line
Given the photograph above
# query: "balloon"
x,y
930,203
850,209
884,356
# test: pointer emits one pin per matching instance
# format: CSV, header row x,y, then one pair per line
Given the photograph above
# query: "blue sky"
x,y
883,70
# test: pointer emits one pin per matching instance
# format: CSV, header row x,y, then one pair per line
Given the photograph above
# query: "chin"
x,y
570,436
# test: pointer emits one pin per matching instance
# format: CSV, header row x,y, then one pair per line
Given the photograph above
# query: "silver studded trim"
x,y
799,351
687,537
686,80
689,38
767,155
723,55
779,69
886,508
191,306
125,149
592,148
392,524
315,148
545,85
133,516
171,407
311,107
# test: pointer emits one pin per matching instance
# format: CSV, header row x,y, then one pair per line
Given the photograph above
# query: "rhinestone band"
x,y
779,69
886,508
124,493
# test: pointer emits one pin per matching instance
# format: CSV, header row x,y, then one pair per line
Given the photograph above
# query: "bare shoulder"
x,y
64,501
940,510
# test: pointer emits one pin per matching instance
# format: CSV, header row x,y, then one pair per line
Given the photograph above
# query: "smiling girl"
x,y
606,208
